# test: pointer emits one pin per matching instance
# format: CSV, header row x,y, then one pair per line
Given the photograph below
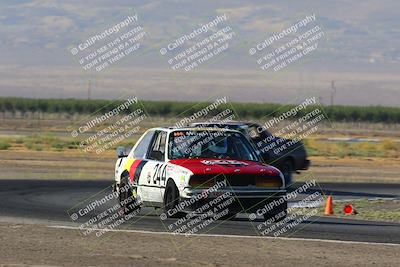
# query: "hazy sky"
x,y
357,37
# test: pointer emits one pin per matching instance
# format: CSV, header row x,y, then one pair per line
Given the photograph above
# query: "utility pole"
x,y
89,89
333,92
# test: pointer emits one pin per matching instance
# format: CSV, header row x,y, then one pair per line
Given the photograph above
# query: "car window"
x,y
157,150
143,146
210,144
240,149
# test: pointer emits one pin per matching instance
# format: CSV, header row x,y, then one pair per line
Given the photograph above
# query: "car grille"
x,y
206,180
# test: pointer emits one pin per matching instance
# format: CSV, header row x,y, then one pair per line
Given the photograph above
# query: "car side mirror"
x,y
157,155
121,152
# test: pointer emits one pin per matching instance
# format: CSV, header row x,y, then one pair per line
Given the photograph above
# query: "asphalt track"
x,y
49,202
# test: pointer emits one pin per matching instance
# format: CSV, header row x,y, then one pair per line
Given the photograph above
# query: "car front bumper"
x,y
236,200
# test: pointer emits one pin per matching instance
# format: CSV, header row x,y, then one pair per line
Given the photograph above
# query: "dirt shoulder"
x,y
40,245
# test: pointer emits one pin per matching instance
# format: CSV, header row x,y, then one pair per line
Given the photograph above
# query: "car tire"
x,y
287,171
171,200
130,205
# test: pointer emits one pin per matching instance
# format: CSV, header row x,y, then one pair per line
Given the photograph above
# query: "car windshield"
x,y
210,144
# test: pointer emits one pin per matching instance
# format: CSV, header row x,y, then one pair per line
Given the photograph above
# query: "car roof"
x,y
236,124
233,123
172,129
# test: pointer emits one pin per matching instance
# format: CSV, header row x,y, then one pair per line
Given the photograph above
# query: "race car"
x,y
186,169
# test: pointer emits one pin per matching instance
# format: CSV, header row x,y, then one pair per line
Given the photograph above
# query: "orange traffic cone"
x,y
329,206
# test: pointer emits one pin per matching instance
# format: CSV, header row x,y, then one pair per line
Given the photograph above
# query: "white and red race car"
x,y
174,169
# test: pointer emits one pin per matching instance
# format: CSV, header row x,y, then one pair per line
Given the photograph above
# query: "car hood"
x,y
225,166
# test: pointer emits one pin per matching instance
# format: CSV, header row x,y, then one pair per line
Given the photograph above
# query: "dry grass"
x,y
387,148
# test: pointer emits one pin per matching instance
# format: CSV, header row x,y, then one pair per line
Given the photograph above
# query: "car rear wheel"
x,y
126,199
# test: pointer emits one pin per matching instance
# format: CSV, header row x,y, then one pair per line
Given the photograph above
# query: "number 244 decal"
x,y
159,174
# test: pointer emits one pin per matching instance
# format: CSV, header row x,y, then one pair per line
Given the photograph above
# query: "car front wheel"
x,y
171,201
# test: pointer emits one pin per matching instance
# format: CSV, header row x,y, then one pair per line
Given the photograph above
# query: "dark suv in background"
x,y
285,154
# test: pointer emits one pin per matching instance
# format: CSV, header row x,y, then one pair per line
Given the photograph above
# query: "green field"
x,y
180,109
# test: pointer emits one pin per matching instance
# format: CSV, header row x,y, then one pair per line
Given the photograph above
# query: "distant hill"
x,y
359,34
360,50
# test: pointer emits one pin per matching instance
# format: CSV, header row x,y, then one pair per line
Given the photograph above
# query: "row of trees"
x,y
181,109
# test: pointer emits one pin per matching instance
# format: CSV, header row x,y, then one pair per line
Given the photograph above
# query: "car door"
x,y
152,177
